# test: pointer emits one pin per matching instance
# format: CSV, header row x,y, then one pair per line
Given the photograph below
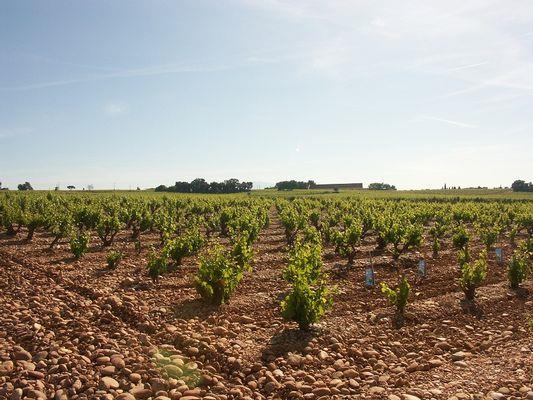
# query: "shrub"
x,y
488,236
85,217
525,249
107,228
33,221
437,231
521,264
8,217
312,236
157,265
138,246
79,245
292,222
397,297
403,236
218,276
305,304
309,298
472,274
246,224
463,257
113,259
460,238
60,227
305,263
346,241
516,271
242,252
314,218
185,245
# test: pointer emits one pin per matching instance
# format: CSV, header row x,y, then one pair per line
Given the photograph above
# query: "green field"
x,y
466,194
403,194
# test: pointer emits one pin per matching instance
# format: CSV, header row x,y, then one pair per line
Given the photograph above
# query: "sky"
x,y
139,93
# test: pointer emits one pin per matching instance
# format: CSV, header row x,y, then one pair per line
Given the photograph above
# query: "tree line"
x,y
522,186
200,185
292,184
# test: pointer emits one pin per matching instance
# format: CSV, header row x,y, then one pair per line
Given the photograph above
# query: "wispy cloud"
x,y
479,64
115,108
446,121
459,33
7,133
287,8
127,73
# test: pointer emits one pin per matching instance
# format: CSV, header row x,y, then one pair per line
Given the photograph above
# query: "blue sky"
x,y
137,93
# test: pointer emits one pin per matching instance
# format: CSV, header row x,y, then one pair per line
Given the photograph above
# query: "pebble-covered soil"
x,y
72,329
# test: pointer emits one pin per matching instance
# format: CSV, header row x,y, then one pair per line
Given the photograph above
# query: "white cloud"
x,y
7,132
461,67
115,108
479,43
446,121
126,73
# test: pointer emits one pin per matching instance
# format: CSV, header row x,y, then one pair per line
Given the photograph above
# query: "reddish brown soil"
x,y
71,314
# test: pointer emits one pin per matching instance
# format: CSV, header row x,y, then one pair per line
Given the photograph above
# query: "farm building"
x,y
338,186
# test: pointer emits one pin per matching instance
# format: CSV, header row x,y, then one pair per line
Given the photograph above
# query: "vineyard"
x,y
164,295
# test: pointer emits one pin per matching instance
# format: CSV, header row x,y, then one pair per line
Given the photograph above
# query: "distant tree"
x,y
71,187
25,186
199,185
182,187
522,186
381,186
245,186
90,187
292,184
231,185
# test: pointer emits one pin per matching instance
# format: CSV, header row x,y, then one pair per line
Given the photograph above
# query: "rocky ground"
x,y
75,330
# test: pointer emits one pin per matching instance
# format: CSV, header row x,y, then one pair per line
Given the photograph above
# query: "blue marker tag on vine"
x,y
369,276
499,255
422,271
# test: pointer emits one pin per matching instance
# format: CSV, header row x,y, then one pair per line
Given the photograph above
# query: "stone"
x,y
321,391
107,383
141,393
460,355
294,360
22,355
350,373
370,354
412,367
108,371
376,390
